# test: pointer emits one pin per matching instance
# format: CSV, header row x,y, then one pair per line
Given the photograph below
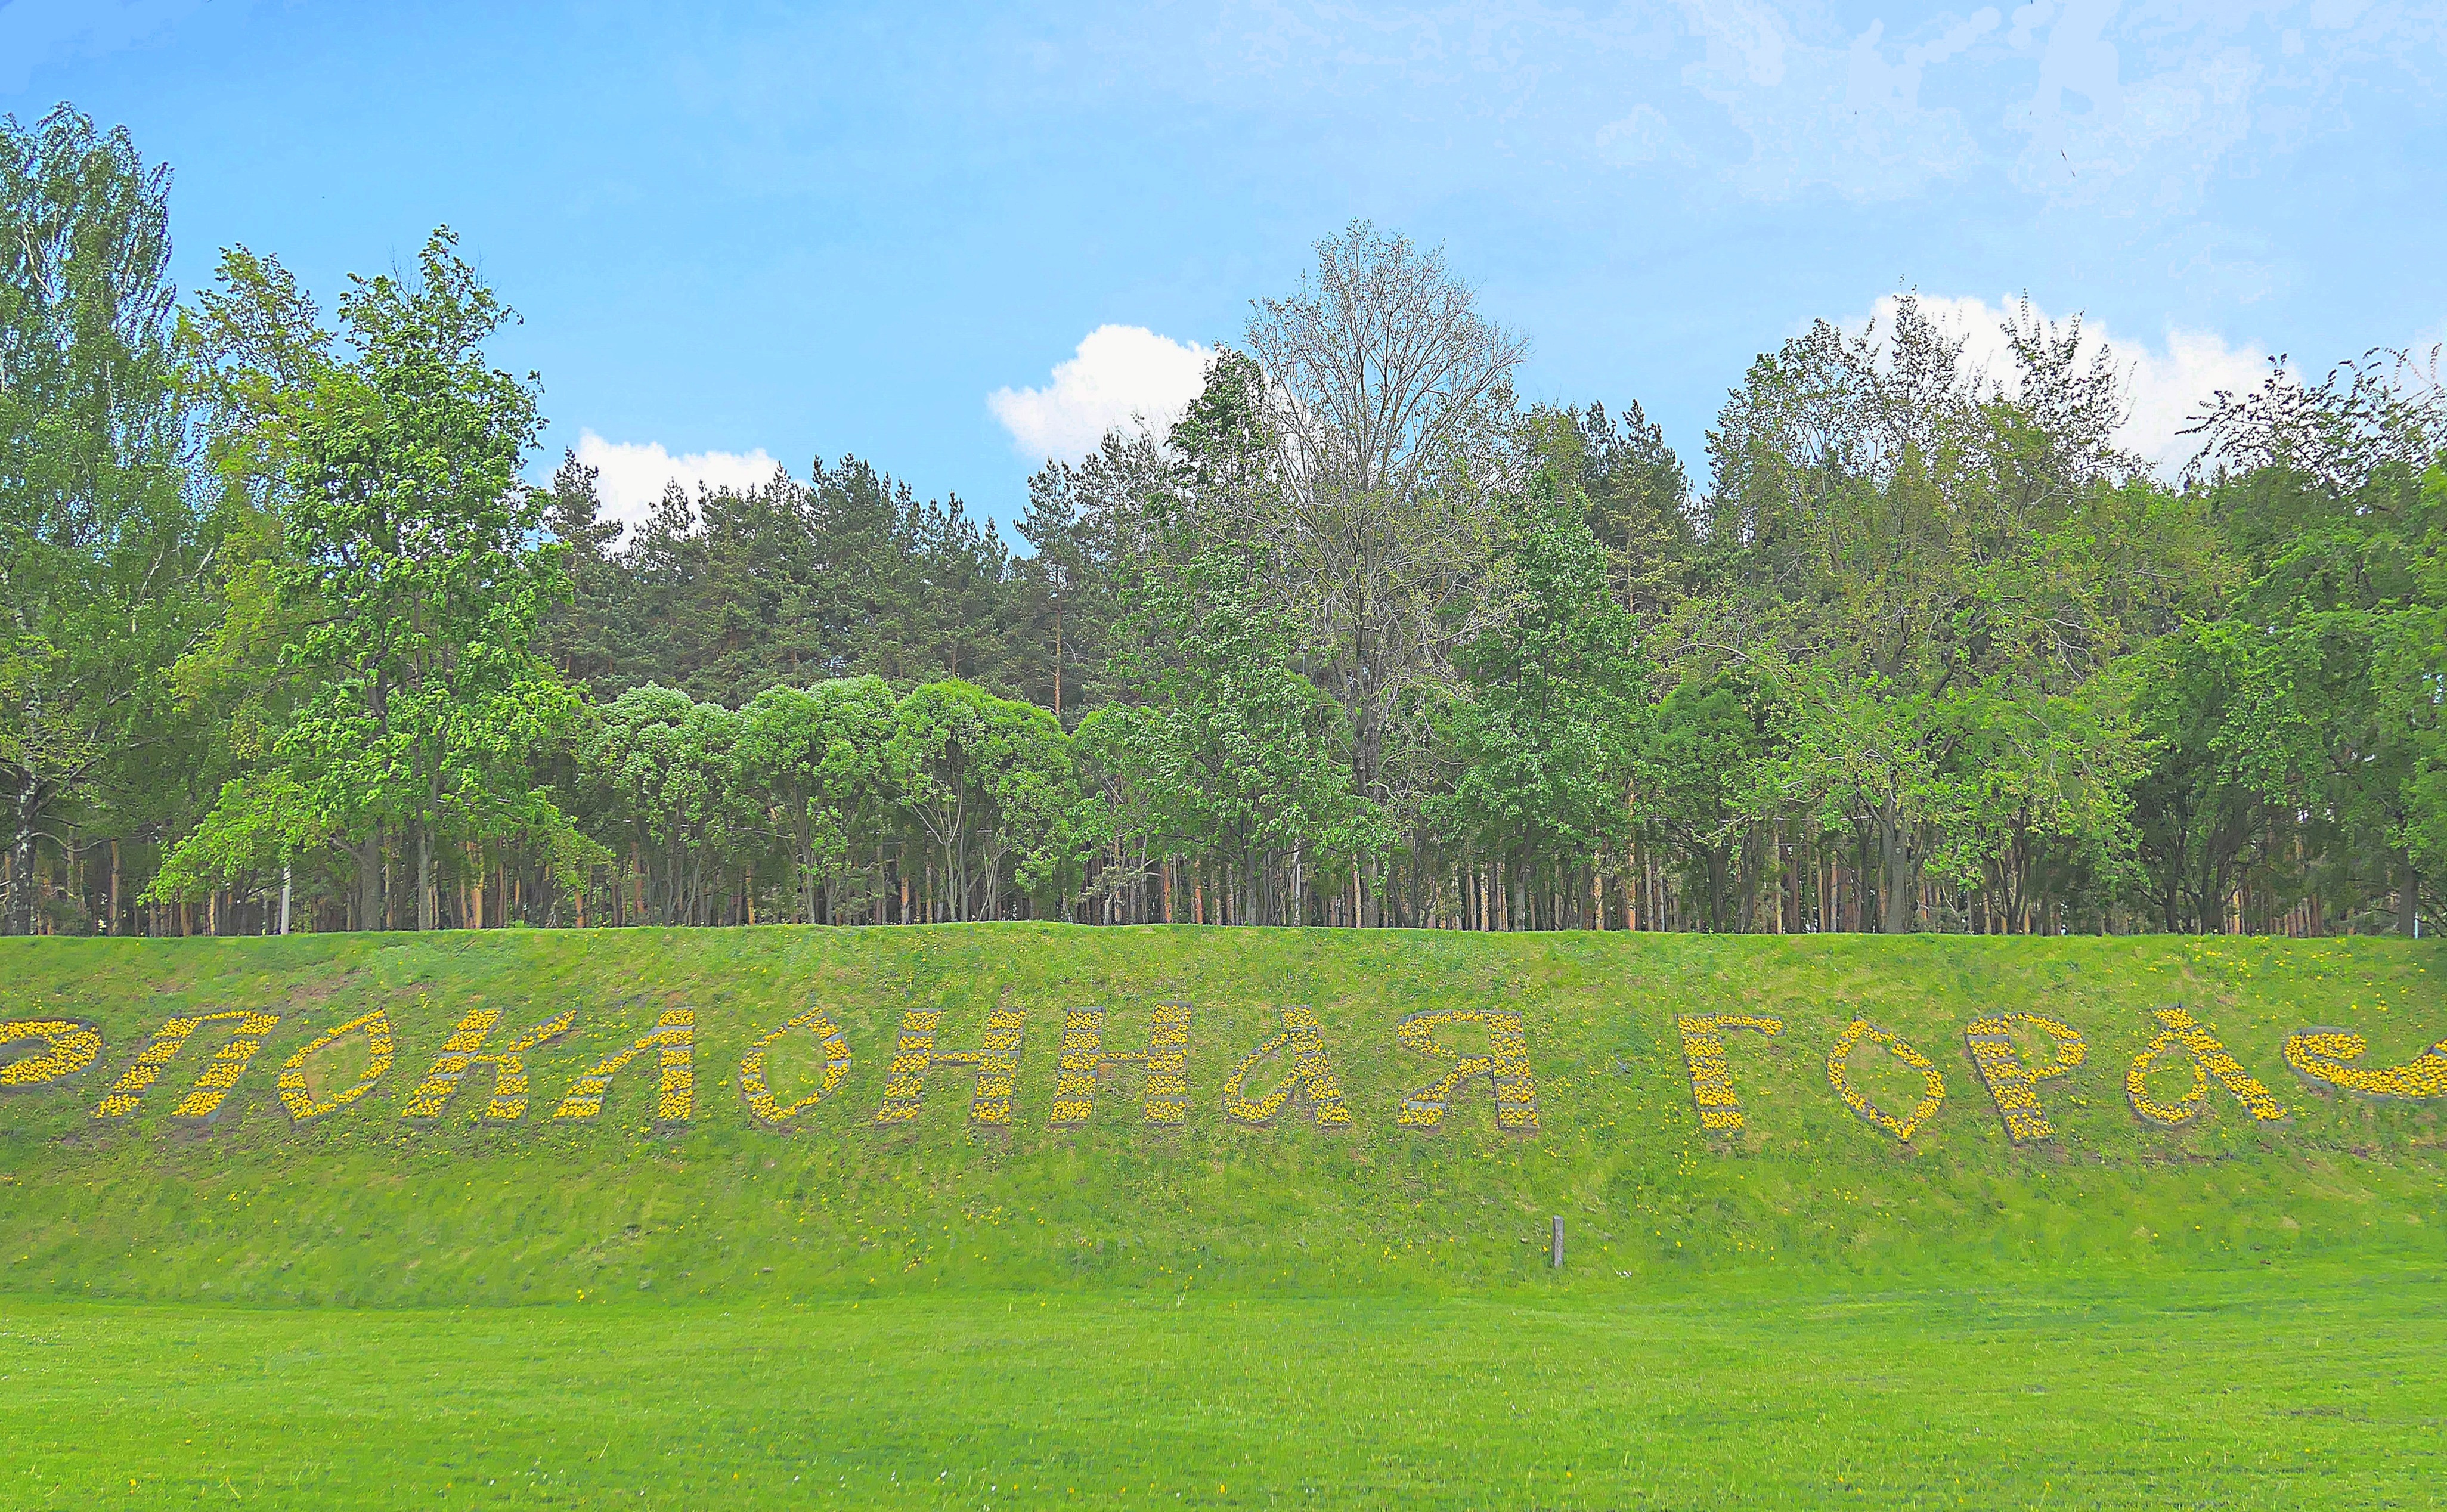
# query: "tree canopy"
x,y
291,635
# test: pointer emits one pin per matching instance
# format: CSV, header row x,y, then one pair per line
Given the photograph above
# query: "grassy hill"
x,y
363,1205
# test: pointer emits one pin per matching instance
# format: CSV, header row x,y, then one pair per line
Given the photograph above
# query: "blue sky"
x,y
777,232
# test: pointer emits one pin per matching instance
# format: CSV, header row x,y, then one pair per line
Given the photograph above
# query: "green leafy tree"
x,y
990,783
1236,757
817,756
414,543
664,774
1929,569
104,550
2328,499
1556,702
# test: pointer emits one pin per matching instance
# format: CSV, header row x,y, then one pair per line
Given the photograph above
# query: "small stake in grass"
x,y
1555,1256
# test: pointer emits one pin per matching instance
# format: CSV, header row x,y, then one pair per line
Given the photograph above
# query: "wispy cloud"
x,y
34,32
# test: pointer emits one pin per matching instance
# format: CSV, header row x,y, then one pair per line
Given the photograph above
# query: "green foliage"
x,y
819,755
1360,639
103,552
662,772
1935,574
257,826
990,783
407,530
1545,743
1234,760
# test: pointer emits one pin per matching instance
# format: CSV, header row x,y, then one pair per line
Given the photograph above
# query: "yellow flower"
x,y
760,1098
2181,1032
71,1046
301,1101
1859,1029
2320,1055
1712,1077
1507,1068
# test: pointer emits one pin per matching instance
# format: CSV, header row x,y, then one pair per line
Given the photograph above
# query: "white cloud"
x,y
1120,375
634,474
2152,142
2165,385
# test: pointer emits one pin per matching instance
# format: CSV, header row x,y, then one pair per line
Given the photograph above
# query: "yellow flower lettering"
x,y
464,1050
2013,1084
220,1073
996,1059
1311,1072
300,1099
761,1100
70,1045
1859,1029
2181,1034
1164,1096
1505,1066
1712,1078
674,1036
2322,1055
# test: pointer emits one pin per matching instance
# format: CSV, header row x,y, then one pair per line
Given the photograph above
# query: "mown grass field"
x,y
2218,1391
363,1309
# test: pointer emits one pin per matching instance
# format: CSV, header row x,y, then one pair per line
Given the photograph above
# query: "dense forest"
x,y
290,641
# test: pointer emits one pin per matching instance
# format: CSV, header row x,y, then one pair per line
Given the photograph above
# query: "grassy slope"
x,y
363,1208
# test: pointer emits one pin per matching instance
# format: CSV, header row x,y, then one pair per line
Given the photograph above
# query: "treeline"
x,y
1361,640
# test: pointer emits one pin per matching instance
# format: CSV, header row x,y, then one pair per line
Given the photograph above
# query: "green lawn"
x,y
2240,1388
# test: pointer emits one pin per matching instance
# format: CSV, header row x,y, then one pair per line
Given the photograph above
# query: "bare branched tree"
x,y
1389,402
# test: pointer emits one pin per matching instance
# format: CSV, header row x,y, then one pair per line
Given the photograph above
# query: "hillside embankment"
x,y
1442,1098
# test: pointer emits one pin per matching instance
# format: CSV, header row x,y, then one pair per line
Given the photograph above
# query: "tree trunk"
x,y
1895,878
428,906
21,863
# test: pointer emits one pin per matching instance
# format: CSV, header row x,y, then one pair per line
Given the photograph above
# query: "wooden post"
x,y
1555,1256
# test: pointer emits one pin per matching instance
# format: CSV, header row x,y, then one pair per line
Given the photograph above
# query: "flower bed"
x,y
220,1073
1164,1095
1311,1071
300,1099
70,1045
1869,1112
762,1104
674,1037
1506,1066
1712,1078
2321,1055
2181,1032
464,1048
996,1060
2013,1083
